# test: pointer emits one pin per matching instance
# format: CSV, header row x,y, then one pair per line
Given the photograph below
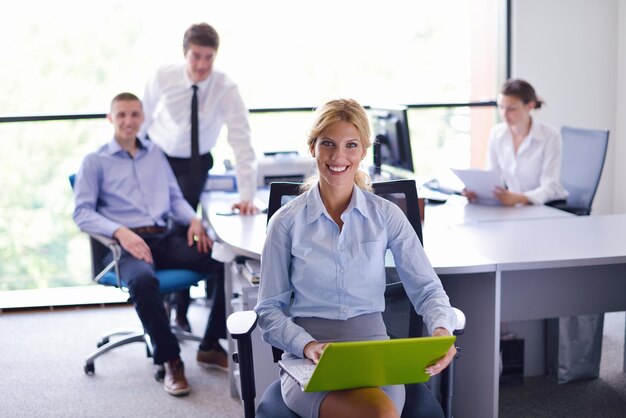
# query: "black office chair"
x,y
170,280
584,152
399,316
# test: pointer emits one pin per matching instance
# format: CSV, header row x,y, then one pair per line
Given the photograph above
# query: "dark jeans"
x,y
191,184
169,251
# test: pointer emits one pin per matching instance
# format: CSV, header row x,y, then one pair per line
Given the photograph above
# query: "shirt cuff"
x,y
297,345
535,197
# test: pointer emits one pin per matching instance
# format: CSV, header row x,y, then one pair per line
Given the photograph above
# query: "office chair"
x,y
397,305
584,152
170,280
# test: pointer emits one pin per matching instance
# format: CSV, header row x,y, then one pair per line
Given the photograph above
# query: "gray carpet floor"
x,y
41,374
541,397
41,370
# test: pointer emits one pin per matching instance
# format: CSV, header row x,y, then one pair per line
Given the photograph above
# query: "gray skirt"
x,y
360,328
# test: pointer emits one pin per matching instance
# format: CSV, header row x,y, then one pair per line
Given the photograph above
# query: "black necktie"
x,y
195,164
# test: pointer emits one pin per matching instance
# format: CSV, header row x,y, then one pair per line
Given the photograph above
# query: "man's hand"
x,y
313,350
246,208
196,233
134,244
444,361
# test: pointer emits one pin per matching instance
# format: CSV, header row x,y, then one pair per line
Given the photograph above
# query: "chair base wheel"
x,y
90,369
102,342
159,372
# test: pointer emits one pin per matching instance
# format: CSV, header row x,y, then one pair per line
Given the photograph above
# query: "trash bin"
x,y
512,362
574,347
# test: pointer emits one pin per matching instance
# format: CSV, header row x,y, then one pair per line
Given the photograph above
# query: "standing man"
x,y
126,190
186,105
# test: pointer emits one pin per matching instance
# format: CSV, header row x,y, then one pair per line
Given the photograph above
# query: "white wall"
x,y
619,139
569,51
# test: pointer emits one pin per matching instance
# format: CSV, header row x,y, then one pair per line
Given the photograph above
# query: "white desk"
x,y
545,268
501,264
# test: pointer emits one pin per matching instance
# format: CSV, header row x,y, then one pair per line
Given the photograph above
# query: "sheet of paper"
x,y
481,182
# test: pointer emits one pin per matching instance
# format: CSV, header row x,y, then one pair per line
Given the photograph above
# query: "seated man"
x,y
126,190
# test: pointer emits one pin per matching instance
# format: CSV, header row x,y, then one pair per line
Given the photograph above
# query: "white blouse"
x,y
535,170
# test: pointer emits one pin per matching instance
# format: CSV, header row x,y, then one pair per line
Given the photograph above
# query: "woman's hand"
x,y
444,361
508,198
313,350
471,196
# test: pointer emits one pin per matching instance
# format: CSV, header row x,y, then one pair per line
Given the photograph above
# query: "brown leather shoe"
x,y
213,359
175,382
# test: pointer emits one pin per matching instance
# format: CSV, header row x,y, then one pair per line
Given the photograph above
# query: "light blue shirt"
x,y
113,189
341,274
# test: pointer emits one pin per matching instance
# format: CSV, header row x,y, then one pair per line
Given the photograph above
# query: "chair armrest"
x,y
106,241
241,324
460,321
116,249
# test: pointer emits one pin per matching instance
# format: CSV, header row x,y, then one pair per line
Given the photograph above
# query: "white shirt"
x,y
167,108
535,170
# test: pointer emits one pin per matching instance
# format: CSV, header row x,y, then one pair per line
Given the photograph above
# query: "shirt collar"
x,y
114,147
535,131
315,206
202,85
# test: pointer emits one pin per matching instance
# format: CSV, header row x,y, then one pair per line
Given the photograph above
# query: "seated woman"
x,y
328,246
526,151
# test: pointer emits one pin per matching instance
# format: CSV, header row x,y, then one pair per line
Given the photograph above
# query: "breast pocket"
x,y
372,259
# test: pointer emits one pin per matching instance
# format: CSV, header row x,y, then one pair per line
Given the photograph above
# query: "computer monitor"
x,y
392,144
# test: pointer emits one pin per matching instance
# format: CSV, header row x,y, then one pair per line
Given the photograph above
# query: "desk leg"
x,y
477,370
228,293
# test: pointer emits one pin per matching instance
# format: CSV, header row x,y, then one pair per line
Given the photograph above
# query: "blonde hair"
x,y
347,110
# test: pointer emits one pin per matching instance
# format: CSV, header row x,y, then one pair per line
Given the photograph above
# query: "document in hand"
x,y
481,182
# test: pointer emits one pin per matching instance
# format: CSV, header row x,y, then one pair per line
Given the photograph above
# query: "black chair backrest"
x,y
402,192
399,316
584,152
281,192
97,250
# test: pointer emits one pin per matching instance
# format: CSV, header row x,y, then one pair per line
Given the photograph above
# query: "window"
x,y
281,53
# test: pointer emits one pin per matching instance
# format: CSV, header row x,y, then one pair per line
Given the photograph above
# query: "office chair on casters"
x,y
399,316
584,152
170,280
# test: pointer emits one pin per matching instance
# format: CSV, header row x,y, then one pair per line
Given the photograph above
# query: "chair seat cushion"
x,y
170,280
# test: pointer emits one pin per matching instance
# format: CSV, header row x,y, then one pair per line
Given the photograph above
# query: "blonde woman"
x,y
327,246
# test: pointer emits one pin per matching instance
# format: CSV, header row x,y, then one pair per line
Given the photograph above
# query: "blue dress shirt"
x,y
341,274
113,189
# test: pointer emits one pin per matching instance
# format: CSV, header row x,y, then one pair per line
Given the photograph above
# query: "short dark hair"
x,y
201,34
125,97
522,90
